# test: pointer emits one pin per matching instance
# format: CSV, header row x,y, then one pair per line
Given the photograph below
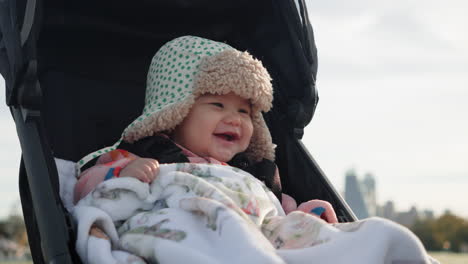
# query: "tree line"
x,y
13,228
448,232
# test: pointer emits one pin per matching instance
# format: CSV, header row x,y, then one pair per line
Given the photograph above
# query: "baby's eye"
x,y
244,111
220,105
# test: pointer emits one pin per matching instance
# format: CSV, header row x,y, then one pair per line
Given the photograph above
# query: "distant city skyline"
x,y
361,192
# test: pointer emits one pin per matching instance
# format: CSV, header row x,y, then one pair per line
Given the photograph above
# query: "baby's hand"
x,y
141,168
322,209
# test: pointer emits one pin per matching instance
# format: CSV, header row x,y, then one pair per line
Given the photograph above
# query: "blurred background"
x,y
390,130
393,87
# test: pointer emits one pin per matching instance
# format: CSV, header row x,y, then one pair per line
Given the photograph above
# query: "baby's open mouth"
x,y
228,136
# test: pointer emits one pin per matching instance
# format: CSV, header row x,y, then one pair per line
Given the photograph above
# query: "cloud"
x,y
337,9
9,176
9,200
375,38
10,152
447,19
9,139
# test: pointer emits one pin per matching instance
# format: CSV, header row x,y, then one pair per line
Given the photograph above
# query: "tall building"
x,y
407,218
354,196
388,211
369,194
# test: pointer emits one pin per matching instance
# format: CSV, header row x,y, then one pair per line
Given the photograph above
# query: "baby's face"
x,y
217,126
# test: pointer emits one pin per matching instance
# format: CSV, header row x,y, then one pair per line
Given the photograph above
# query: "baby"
x,y
206,99
175,187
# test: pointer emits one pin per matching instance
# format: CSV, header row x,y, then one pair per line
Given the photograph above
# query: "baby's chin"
x,y
224,156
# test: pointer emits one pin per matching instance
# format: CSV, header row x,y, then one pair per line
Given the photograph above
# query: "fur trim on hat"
x,y
163,120
261,145
238,72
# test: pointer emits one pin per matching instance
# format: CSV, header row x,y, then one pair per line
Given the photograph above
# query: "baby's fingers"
x,y
330,216
149,169
143,169
322,209
153,171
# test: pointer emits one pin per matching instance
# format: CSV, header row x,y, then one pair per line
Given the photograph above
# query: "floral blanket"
x,y
205,213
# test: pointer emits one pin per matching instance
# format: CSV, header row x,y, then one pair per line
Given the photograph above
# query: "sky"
x,y
393,87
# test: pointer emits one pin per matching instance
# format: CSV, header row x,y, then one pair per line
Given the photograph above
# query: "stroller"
x,y
56,55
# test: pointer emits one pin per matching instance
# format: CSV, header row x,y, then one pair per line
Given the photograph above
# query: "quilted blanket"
x,y
204,213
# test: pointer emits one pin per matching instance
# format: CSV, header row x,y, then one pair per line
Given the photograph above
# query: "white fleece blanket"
x,y
202,213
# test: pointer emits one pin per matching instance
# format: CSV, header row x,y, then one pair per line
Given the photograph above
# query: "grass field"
x,y
450,258
442,257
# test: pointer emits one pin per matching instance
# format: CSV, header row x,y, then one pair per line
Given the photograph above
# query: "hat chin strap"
x,y
82,162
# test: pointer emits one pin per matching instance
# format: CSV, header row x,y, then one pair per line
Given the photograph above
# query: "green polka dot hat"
x,y
187,67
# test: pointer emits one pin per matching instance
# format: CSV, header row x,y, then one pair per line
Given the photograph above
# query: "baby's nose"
x,y
233,119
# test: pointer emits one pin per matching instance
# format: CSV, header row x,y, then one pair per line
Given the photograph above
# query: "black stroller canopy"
x,y
92,51
76,71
